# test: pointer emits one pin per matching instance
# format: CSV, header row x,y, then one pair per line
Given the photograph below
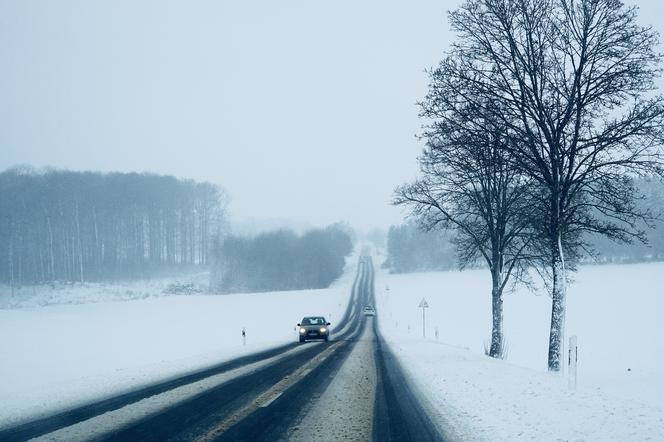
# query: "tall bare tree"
x,y
468,184
573,80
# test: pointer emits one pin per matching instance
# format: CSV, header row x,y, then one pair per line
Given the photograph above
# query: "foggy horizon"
x,y
301,112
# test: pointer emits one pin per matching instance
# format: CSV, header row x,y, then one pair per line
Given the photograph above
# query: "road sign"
x,y
423,303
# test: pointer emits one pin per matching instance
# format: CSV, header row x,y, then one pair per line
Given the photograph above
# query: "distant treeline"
x,y
410,249
80,226
280,260
603,250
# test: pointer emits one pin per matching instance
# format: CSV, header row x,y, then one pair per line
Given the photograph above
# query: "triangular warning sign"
x,y
423,303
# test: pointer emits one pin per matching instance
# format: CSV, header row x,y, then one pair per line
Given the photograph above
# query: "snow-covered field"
x,y
75,293
57,356
69,345
614,310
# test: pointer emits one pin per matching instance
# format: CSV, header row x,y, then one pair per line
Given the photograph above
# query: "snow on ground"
x,y
60,293
614,310
62,355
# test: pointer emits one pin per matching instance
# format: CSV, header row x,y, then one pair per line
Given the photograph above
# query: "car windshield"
x,y
313,321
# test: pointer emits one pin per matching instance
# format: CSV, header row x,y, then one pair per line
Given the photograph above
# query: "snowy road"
x,y
350,388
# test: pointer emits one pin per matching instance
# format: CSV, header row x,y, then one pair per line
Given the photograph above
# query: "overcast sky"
x,y
301,110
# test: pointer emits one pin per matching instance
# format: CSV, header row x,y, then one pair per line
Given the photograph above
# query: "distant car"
x,y
369,310
314,327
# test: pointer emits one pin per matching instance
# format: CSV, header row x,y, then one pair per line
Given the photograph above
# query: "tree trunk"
x,y
51,254
496,350
80,244
11,258
558,307
97,246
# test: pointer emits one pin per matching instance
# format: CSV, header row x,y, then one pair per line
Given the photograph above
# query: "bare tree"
x,y
573,81
468,184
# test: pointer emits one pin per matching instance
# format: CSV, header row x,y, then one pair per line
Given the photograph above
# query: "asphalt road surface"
x,y
350,388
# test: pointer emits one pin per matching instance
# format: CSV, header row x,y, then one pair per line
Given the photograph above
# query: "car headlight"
x,y
303,330
323,329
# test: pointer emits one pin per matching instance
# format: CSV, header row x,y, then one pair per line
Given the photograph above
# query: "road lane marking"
x,y
107,423
270,395
274,398
345,410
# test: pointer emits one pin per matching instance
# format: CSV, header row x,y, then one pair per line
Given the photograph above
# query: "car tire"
x,y
301,339
326,338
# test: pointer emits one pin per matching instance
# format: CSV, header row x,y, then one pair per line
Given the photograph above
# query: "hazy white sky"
x,y
302,110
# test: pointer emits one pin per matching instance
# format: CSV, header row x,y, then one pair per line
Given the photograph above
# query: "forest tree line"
x,y
412,248
280,260
58,225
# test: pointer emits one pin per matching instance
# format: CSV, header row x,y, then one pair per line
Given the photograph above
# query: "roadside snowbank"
x,y
614,311
59,356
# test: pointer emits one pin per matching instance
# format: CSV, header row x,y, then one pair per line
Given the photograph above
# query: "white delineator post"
x,y
423,305
572,360
244,336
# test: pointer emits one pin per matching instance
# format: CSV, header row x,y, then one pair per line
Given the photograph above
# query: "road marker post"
x,y
572,360
423,305
244,336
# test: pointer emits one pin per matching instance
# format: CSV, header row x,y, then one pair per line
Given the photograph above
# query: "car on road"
x,y
369,310
314,327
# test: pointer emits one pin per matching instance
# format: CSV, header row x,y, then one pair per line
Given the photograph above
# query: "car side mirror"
x,y
328,323
298,324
